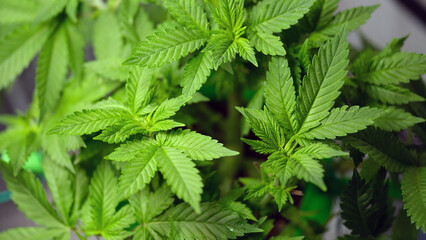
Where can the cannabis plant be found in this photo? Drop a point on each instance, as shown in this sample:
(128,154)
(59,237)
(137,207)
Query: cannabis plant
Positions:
(131,95)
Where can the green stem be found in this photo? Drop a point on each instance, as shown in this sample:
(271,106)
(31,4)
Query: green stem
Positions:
(229,166)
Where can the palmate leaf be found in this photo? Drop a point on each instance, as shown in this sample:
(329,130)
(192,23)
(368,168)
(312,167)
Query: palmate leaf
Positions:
(20,147)
(120,131)
(107,38)
(181,175)
(324,12)
(265,127)
(228,14)
(128,150)
(80,185)
(75,49)
(52,70)
(195,145)
(109,68)
(147,204)
(20,12)
(214,222)
(18,48)
(137,87)
(414,195)
(196,72)
(382,147)
(38,233)
(322,84)
(308,169)
(245,50)
(138,172)
(320,151)
(168,108)
(396,119)
(188,13)
(223,46)
(102,203)
(60,185)
(267,43)
(103,197)
(164,125)
(396,68)
(280,95)
(87,121)
(343,121)
(49,10)
(28,194)
(270,16)
(166,46)
(240,208)
(392,94)
(280,165)
(353,18)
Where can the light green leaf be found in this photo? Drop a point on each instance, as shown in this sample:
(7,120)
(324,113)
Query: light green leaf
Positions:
(49,10)
(353,18)
(213,222)
(80,189)
(396,119)
(38,233)
(121,220)
(109,68)
(280,95)
(196,72)
(166,46)
(414,195)
(128,150)
(107,38)
(147,205)
(75,49)
(59,181)
(240,208)
(322,84)
(19,150)
(272,16)
(18,12)
(120,131)
(394,69)
(189,13)
(87,121)
(343,121)
(195,145)
(280,195)
(267,43)
(52,71)
(18,48)
(325,14)
(137,87)
(164,125)
(265,127)
(71,9)
(28,194)
(223,47)
(103,197)
(168,108)
(320,151)
(138,172)
(392,94)
(245,50)
(256,102)
(181,175)
(308,169)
